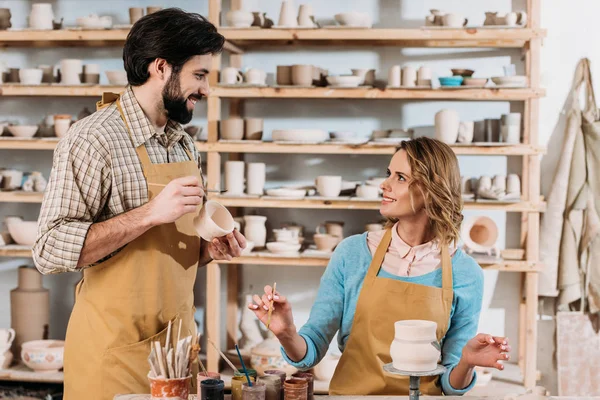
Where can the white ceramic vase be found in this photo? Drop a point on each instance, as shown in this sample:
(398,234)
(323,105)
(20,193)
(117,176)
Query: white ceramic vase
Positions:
(287,16)
(234,177)
(256,178)
(447,122)
(255,229)
(41,16)
(415,346)
(70,71)
(409,77)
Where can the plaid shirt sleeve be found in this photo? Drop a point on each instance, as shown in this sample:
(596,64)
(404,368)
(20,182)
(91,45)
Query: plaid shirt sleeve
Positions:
(78,189)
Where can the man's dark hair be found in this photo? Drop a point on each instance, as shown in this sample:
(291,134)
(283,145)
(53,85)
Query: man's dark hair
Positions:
(171,34)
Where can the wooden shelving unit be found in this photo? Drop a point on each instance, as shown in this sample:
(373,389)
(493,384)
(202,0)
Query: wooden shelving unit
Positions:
(239,40)
(21,373)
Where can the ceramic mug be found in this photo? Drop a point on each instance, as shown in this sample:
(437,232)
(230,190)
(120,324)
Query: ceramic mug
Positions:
(70,70)
(284,74)
(325,241)
(394,76)
(409,76)
(135,14)
(7,336)
(513,184)
(367,192)
(305,15)
(256,178)
(253,129)
(231,76)
(213,221)
(424,76)
(466,130)
(302,75)
(234,177)
(447,122)
(329,186)
(232,129)
(255,76)
(62,123)
(333,228)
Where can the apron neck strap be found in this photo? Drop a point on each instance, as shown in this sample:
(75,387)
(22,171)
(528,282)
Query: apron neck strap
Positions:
(141,149)
(446,267)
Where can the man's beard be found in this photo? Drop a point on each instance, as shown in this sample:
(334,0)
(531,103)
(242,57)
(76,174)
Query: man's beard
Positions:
(174,103)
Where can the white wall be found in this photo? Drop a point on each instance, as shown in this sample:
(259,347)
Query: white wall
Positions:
(571,28)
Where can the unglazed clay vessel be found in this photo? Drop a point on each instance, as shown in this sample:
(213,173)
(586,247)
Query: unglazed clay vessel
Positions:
(409,76)
(239,18)
(302,75)
(465,131)
(447,122)
(513,185)
(480,235)
(415,347)
(230,76)
(41,16)
(234,177)
(325,241)
(7,336)
(329,186)
(253,129)
(214,221)
(255,76)
(5,16)
(367,192)
(255,229)
(256,178)
(232,129)
(287,16)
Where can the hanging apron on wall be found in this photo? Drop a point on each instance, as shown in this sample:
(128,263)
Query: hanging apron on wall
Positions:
(380,304)
(125,303)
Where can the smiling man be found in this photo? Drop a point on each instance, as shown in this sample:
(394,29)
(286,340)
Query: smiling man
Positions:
(125,186)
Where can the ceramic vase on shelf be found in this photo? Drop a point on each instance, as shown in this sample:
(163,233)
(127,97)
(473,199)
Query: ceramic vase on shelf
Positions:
(447,122)
(255,229)
(41,16)
(29,308)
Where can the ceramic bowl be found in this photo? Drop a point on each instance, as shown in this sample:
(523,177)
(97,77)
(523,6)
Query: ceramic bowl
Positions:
(213,221)
(283,248)
(353,18)
(300,135)
(23,131)
(291,193)
(451,80)
(43,355)
(249,247)
(23,232)
(344,80)
(516,80)
(31,76)
(325,241)
(117,78)
(462,72)
(475,81)
(325,369)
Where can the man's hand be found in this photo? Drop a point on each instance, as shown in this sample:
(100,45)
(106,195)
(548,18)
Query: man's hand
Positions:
(227,247)
(181,196)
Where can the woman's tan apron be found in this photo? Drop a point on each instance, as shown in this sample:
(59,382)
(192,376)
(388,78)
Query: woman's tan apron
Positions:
(381,303)
(126,302)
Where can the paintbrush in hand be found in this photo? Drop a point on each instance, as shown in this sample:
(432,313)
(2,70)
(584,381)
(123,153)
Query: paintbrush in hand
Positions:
(271,305)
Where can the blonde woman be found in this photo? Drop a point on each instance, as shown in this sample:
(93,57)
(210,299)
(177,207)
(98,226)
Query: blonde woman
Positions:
(410,270)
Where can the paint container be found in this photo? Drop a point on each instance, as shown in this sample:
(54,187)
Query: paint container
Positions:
(161,388)
(281,374)
(251,372)
(236,386)
(273,383)
(211,389)
(296,389)
(310,378)
(201,378)
(255,392)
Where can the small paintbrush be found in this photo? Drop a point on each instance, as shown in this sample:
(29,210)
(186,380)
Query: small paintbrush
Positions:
(271,305)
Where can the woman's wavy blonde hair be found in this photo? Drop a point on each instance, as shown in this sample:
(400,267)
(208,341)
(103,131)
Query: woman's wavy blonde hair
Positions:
(435,173)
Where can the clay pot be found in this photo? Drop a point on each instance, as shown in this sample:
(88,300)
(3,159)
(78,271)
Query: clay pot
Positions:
(62,123)
(306,16)
(234,177)
(5,16)
(213,221)
(256,178)
(308,377)
(424,76)
(409,76)
(13,75)
(415,346)
(447,122)
(466,131)
(454,21)
(513,184)
(41,16)
(29,309)
(47,73)
(287,15)
(232,129)
(302,75)
(239,18)
(177,388)
(284,75)
(325,241)
(255,229)
(492,130)
(253,129)
(499,182)
(135,13)
(70,70)
(395,76)
(296,389)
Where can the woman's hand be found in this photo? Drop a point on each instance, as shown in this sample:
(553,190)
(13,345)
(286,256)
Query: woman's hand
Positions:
(282,321)
(486,351)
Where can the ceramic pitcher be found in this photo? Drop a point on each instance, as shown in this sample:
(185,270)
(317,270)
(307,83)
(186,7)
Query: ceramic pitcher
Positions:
(41,16)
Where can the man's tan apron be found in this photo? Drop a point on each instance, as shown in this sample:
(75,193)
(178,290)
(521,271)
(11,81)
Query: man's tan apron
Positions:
(381,303)
(126,302)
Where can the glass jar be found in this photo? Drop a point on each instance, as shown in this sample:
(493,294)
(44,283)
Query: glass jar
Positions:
(296,389)
(273,383)
(310,379)
(255,392)
(236,386)
(211,389)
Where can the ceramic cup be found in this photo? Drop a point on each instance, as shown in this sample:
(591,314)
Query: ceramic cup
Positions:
(305,15)
(213,221)
(135,13)
(394,76)
(329,186)
(492,130)
(231,76)
(367,192)
(409,76)
(62,123)
(234,177)
(232,129)
(511,134)
(152,9)
(284,74)
(465,131)
(253,129)
(513,184)
(424,76)
(453,20)
(48,73)
(485,183)
(511,19)
(447,122)
(7,336)
(255,76)
(511,119)
(70,71)
(499,182)
(367,75)
(11,179)
(479,131)
(30,76)
(325,241)
(256,178)
(286,235)
(302,75)
(93,79)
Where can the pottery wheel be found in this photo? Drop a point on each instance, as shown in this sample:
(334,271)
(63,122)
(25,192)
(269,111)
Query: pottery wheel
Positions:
(415,377)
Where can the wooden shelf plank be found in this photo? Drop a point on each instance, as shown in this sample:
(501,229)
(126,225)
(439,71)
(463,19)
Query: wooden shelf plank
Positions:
(488,94)
(276,148)
(420,37)
(21,373)
(21,197)
(491,94)
(15,251)
(361,205)
(28,144)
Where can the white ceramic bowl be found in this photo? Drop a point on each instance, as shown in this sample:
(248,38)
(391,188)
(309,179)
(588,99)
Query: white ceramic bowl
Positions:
(282,192)
(300,135)
(23,131)
(30,76)
(43,355)
(23,232)
(344,80)
(517,80)
(249,247)
(353,18)
(283,248)
(118,78)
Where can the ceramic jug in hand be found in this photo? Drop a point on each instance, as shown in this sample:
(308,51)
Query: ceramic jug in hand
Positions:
(282,321)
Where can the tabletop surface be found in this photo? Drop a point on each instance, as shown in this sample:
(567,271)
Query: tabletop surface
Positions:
(194,397)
